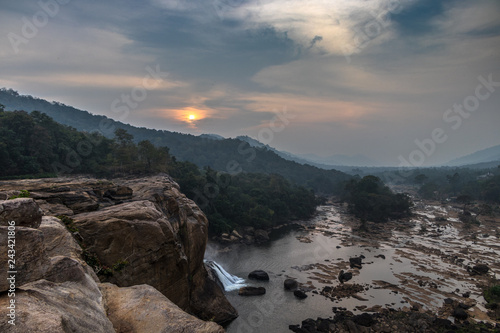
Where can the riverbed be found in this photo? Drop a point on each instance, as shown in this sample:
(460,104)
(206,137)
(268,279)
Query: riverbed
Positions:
(413,264)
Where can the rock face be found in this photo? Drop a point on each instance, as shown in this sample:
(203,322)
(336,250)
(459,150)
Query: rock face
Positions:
(258,275)
(31,261)
(143,309)
(135,231)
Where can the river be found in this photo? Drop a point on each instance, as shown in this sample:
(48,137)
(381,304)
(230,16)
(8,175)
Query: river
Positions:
(314,258)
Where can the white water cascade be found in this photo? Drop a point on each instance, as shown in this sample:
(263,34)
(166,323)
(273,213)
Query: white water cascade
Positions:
(229,281)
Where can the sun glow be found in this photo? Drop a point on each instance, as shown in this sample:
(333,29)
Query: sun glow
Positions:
(192,117)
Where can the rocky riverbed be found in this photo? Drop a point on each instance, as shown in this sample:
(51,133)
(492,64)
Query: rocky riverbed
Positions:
(426,270)
(435,266)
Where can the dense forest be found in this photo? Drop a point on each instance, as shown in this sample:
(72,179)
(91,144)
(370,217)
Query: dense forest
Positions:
(444,183)
(34,145)
(371,200)
(225,155)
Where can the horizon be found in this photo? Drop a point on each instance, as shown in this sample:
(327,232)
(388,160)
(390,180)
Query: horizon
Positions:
(401,83)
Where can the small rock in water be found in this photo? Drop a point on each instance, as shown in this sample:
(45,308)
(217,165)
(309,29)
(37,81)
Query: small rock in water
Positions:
(355,262)
(251,291)
(258,275)
(480,269)
(290,284)
(300,294)
(380,256)
(344,276)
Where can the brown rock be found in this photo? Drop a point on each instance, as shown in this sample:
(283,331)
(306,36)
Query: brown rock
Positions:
(31,261)
(251,291)
(47,307)
(208,301)
(58,240)
(24,211)
(143,309)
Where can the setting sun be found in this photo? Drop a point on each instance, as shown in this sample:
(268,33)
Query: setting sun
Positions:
(191,117)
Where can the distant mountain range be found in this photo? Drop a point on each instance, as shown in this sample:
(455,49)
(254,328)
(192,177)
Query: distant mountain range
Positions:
(486,156)
(208,150)
(328,162)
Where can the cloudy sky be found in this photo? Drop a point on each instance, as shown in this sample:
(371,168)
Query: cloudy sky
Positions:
(412,80)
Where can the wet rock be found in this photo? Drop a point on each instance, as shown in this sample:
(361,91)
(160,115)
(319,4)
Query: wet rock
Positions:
(344,276)
(364,319)
(380,256)
(448,301)
(258,275)
(355,262)
(338,247)
(460,313)
(480,269)
(235,233)
(290,284)
(261,236)
(25,212)
(251,291)
(300,294)
(444,323)
(466,294)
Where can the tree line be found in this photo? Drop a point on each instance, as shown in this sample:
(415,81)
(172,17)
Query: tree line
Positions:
(33,145)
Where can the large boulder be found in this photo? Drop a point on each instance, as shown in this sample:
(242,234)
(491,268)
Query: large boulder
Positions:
(69,300)
(135,231)
(143,309)
(31,260)
(162,237)
(23,211)
(58,240)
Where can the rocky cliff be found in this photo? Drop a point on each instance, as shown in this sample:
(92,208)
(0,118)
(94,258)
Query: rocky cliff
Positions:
(141,236)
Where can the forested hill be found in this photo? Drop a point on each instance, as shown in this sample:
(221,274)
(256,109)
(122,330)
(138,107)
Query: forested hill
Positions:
(228,155)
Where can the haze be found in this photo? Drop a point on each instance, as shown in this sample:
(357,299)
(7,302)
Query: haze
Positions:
(350,77)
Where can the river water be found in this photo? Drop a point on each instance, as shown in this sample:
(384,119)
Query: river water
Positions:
(316,262)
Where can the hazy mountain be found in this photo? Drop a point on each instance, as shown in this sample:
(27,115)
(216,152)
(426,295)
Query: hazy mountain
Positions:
(329,162)
(228,155)
(212,136)
(339,159)
(491,154)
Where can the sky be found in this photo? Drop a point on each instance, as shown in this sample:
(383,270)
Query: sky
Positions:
(401,82)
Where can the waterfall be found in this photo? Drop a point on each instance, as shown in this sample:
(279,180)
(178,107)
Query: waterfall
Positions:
(229,281)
